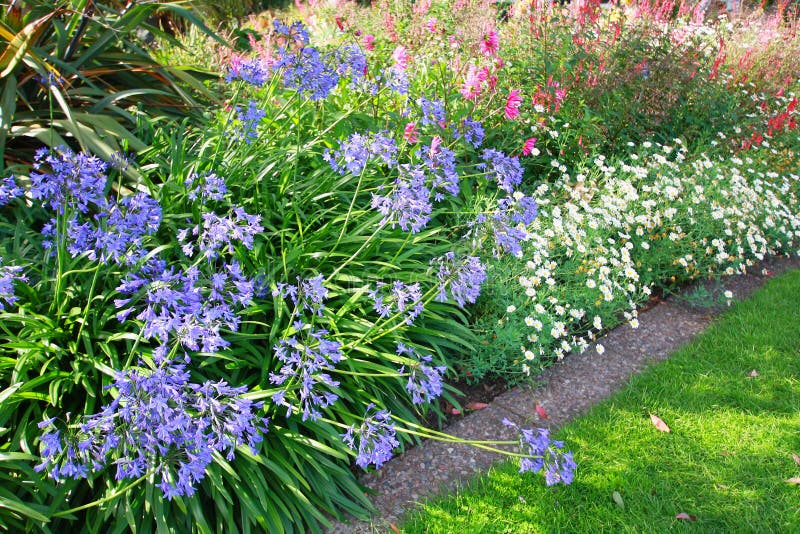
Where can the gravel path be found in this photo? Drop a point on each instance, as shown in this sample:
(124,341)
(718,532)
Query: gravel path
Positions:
(565,390)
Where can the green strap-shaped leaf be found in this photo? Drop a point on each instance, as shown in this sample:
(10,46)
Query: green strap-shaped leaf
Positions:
(19,44)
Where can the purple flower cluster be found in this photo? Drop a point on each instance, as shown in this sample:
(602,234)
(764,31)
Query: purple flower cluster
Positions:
(519,208)
(374,440)
(8,275)
(208,187)
(505,169)
(74,182)
(463,277)
(307,295)
(506,227)
(433,111)
(409,202)
(440,164)
(396,80)
(220,234)
(116,234)
(351,61)
(121,160)
(544,454)
(308,72)
(160,422)
(307,358)
(253,71)
(248,121)
(424,380)
(9,190)
(400,298)
(185,304)
(358,149)
(297,32)
(473,132)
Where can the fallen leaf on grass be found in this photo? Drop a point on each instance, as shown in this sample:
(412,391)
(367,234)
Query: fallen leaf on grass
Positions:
(796,458)
(618,499)
(795,480)
(394,528)
(753,373)
(476,406)
(685,517)
(658,423)
(541,411)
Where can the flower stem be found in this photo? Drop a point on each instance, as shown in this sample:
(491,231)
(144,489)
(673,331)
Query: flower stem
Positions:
(98,502)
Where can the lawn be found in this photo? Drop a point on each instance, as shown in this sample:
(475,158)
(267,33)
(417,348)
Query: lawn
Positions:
(725,462)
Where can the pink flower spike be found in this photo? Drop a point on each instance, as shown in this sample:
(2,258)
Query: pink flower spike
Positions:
(410,133)
(527,148)
(369,42)
(490,43)
(430,25)
(513,102)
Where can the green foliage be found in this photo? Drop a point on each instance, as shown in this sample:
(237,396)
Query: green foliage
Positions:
(77,73)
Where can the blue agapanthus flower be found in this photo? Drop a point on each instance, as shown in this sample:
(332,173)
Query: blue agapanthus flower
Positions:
(159,422)
(374,439)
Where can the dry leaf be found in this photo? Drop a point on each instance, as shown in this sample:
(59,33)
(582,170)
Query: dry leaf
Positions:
(796,458)
(541,411)
(685,517)
(753,373)
(795,480)
(394,528)
(618,499)
(659,424)
(476,406)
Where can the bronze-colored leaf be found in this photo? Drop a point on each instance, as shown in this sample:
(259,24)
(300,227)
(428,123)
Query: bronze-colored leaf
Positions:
(541,411)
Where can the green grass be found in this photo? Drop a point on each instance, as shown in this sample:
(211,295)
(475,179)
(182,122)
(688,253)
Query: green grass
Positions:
(725,461)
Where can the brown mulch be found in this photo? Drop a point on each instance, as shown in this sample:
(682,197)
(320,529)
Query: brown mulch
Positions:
(565,391)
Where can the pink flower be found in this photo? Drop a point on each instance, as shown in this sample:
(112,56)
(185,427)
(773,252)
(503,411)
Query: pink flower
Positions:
(431,24)
(435,142)
(410,133)
(400,58)
(420,8)
(471,89)
(369,42)
(513,102)
(527,148)
(490,43)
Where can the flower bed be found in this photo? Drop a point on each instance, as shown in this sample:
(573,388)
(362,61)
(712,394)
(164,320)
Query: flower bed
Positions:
(209,335)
